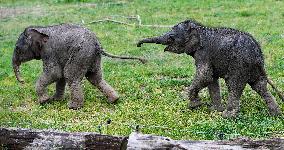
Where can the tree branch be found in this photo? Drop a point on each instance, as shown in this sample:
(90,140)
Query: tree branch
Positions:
(137,18)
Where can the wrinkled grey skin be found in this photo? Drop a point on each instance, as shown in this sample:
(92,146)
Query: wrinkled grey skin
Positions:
(69,53)
(219,53)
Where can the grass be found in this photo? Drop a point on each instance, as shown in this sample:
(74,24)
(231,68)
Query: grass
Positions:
(151,94)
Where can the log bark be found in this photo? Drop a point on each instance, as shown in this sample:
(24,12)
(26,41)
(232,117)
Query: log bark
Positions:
(139,141)
(15,138)
(11,138)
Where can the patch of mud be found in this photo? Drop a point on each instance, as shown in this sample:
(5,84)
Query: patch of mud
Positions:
(9,12)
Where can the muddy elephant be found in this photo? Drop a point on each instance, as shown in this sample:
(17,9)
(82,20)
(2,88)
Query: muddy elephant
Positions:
(220,53)
(69,53)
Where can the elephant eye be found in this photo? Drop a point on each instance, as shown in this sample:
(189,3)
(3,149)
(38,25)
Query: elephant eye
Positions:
(171,38)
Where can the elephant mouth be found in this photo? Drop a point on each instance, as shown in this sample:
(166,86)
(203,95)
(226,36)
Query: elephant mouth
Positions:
(172,49)
(37,57)
(169,48)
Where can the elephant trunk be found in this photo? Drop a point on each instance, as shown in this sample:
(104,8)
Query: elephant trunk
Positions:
(158,40)
(16,66)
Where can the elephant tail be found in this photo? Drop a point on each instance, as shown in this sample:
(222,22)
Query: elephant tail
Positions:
(123,57)
(275,88)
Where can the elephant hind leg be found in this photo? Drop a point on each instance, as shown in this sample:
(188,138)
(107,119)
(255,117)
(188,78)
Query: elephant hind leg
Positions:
(260,86)
(77,96)
(96,79)
(74,73)
(235,89)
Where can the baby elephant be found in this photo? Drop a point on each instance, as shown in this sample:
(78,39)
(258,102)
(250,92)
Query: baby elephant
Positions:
(220,53)
(69,52)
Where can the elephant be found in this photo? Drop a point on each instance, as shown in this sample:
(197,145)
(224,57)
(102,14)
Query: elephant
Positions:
(69,53)
(220,52)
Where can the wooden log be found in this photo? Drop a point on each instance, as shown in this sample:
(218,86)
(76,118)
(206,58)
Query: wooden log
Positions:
(138,141)
(12,138)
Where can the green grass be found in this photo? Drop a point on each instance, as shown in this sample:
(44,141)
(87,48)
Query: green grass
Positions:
(151,94)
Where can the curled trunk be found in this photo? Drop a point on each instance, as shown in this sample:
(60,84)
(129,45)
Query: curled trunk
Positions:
(16,67)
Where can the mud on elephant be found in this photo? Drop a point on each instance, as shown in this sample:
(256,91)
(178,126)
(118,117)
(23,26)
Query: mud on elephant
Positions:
(69,53)
(220,53)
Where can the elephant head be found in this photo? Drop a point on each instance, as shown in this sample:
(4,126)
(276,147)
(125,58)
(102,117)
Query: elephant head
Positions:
(28,47)
(183,38)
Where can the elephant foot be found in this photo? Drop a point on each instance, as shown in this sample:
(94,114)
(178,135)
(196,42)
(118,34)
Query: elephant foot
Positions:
(57,97)
(108,91)
(43,99)
(112,96)
(75,105)
(113,99)
(194,104)
(219,108)
(230,114)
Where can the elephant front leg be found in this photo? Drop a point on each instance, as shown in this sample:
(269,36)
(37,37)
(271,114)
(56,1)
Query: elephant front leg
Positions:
(215,94)
(60,88)
(41,88)
(77,97)
(201,80)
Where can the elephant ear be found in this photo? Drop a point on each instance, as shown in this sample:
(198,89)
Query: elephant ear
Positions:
(38,38)
(193,42)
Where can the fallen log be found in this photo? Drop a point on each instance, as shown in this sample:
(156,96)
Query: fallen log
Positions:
(15,138)
(142,141)
(12,138)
